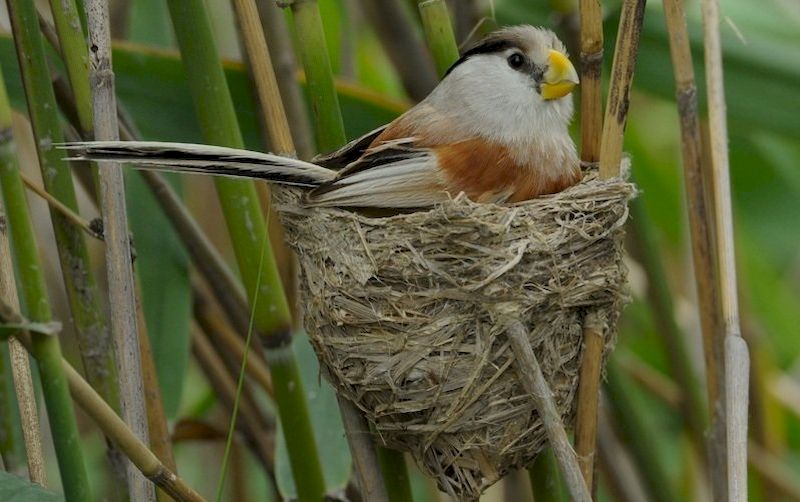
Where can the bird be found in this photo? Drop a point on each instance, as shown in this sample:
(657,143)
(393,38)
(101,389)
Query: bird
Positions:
(494,128)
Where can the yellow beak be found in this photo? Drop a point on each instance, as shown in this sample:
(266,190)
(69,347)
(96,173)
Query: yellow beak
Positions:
(560,77)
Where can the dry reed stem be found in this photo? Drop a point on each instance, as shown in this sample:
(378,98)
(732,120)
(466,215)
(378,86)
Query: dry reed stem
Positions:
(362,448)
(122,302)
(732,426)
(20,367)
(700,219)
(591,16)
(625,52)
(284,64)
(588,397)
(536,385)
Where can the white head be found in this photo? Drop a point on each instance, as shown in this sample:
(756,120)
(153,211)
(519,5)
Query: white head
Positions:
(511,86)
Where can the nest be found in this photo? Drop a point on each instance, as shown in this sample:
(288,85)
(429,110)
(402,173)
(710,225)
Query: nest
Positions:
(408,313)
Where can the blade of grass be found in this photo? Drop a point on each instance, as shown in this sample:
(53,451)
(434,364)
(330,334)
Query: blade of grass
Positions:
(439,34)
(18,357)
(272,320)
(47,350)
(122,302)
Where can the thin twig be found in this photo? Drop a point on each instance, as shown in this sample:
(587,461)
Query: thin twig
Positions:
(20,367)
(542,397)
(625,52)
(122,302)
(65,211)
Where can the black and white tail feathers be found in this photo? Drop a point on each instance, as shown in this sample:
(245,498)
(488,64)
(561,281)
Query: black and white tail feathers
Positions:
(203,159)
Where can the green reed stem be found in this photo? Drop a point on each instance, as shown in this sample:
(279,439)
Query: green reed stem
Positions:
(46,349)
(395,474)
(328,123)
(214,108)
(545,478)
(97,349)
(439,34)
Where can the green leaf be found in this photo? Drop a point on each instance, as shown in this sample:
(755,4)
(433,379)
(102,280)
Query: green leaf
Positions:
(328,430)
(16,489)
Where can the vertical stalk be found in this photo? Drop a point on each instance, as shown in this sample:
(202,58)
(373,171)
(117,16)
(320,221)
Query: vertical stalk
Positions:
(395,474)
(122,301)
(589,396)
(88,317)
(18,357)
(439,34)
(545,480)
(730,419)
(591,13)
(45,348)
(625,52)
(329,127)
(247,230)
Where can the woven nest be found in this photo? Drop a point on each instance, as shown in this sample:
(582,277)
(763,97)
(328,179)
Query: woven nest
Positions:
(407,316)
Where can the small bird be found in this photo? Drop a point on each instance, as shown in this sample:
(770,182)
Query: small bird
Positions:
(494,128)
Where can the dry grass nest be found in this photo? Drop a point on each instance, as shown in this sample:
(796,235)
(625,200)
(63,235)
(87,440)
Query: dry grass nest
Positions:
(408,313)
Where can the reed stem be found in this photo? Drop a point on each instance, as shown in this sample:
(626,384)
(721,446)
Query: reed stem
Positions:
(247,230)
(591,13)
(18,357)
(395,474)
(72,250)
(730,421)
(544,477)
(439,34)
(625,52)
(328,124)
(122,301)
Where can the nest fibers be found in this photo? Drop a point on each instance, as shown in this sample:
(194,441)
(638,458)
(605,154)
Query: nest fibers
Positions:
(408,313)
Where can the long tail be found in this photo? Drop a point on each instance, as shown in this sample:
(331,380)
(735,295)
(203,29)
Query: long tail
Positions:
(202,159)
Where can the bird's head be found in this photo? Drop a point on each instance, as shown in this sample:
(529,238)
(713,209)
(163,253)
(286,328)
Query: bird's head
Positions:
(516,74)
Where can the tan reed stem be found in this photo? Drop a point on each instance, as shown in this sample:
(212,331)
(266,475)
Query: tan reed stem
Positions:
(122,302)
(588,397)
(57,205)
(733,415)
(627,47)
(591,13)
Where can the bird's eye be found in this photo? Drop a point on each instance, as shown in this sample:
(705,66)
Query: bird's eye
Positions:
(516,60)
